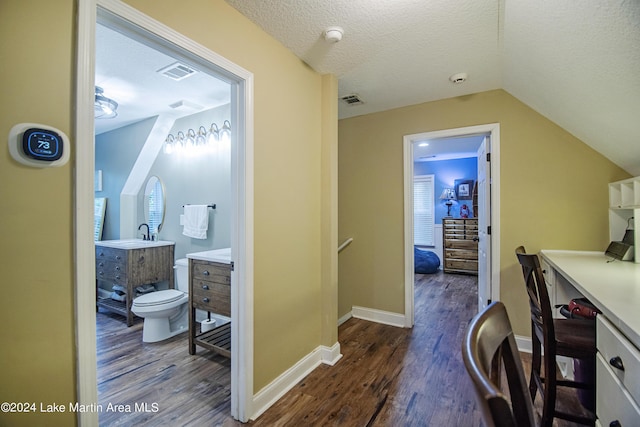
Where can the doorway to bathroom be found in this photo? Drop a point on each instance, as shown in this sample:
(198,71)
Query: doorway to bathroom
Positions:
(236,109)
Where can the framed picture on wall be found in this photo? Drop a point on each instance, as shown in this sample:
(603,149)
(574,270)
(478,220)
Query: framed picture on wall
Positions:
(464,188)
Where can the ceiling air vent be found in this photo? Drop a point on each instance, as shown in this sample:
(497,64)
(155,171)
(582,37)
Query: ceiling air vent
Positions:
(177,71)
(352,99)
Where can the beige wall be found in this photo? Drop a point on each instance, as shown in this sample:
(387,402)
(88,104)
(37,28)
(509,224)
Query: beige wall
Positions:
(36,307)
(292,134)
(553,194)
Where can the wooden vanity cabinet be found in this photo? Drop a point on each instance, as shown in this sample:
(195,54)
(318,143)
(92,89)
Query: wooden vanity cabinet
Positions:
(130,268)
(460,241)
(210,290)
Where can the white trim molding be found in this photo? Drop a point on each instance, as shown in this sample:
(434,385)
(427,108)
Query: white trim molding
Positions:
(492,129)
(277,388)
(118,13)
(344,318)
(379,316)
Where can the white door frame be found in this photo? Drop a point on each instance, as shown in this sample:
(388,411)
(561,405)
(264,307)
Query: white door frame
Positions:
(494,130)
(242,200)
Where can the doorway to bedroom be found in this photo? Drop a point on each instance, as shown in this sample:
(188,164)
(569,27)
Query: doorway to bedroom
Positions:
(450,177)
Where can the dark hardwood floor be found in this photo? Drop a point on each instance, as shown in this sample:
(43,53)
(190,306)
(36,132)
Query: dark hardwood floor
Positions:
(178,389)
(388,376)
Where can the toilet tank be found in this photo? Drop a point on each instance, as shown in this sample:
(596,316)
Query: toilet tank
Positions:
(182,274)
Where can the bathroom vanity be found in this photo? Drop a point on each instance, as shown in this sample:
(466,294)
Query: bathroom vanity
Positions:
(132,263)
(210,290)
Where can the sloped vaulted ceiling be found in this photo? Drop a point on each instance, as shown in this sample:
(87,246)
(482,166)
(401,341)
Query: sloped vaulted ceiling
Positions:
(575,62)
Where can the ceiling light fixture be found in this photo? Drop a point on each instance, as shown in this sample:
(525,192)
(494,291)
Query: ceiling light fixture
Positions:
(333,34)
(103,107)
(458,78)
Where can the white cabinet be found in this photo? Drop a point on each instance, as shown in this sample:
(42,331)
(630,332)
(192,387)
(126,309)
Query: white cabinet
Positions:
(624,210)
(613,288)
(618,376)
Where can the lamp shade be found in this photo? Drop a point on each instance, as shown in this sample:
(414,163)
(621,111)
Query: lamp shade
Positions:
(448,194)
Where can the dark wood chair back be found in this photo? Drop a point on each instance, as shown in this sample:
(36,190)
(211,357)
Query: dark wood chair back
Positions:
(488,346)
(539,302)
(571,338)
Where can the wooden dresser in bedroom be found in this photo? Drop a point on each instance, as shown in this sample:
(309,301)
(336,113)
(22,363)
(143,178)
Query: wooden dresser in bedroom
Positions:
(460,241)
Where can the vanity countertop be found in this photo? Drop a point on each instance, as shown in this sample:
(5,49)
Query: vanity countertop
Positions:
(133,243)
(222,256)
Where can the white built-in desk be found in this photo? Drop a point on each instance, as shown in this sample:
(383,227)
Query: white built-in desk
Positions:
(614,287)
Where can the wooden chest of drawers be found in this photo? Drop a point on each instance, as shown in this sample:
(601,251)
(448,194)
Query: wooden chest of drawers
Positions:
(210,290)
(460,241)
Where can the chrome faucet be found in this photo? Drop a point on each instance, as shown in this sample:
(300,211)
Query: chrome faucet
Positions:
(145,236)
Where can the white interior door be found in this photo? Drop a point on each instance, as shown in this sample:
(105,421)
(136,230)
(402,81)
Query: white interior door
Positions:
(484,220)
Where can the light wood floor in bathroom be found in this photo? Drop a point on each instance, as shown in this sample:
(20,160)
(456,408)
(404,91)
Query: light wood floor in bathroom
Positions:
(388,376)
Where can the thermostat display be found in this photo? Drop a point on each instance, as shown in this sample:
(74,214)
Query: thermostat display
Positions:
(38,145)
(42,144)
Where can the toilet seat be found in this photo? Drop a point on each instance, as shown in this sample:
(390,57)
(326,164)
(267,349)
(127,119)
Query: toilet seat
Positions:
(158,298)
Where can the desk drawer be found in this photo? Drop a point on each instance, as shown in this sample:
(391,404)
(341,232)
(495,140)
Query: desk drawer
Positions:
(613,402)
(612,344)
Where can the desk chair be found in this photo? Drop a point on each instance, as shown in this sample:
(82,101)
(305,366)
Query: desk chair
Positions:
(489,344)
(572,338)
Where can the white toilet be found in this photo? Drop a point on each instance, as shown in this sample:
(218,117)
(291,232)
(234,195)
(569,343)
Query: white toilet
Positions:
(165,313)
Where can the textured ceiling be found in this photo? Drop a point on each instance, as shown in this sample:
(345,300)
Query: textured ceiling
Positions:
(575,62)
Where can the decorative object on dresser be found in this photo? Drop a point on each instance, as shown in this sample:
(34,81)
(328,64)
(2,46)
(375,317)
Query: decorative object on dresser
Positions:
(464,188)
(460,241)
(210,291)
(128,264)
(450,196)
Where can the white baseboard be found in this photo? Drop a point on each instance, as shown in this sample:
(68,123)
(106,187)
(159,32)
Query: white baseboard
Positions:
(565,364)
(379,316)
(524,344)
(344,318)
(292,376)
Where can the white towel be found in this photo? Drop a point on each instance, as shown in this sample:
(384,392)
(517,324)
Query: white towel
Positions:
(196,221)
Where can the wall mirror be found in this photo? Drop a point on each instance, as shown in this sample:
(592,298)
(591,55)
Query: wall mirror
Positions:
(154,204)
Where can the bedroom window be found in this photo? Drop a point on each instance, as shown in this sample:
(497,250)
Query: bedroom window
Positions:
(423,210)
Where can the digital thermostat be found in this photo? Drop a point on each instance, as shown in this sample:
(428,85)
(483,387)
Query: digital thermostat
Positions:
(38,145)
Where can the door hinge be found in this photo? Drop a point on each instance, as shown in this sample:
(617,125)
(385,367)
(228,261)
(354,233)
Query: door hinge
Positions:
(232,266)
(489,301)
(488,157)
(489,229)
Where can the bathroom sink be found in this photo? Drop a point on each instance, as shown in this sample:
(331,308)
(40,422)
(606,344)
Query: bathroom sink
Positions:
(133,243)
(222,256)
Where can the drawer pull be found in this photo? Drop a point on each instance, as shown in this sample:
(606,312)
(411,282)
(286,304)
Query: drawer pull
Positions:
(117,268)
(205,287)
(616,362)
(615,423)
(101,264)
(118,257)
(205,300)
(205,273)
